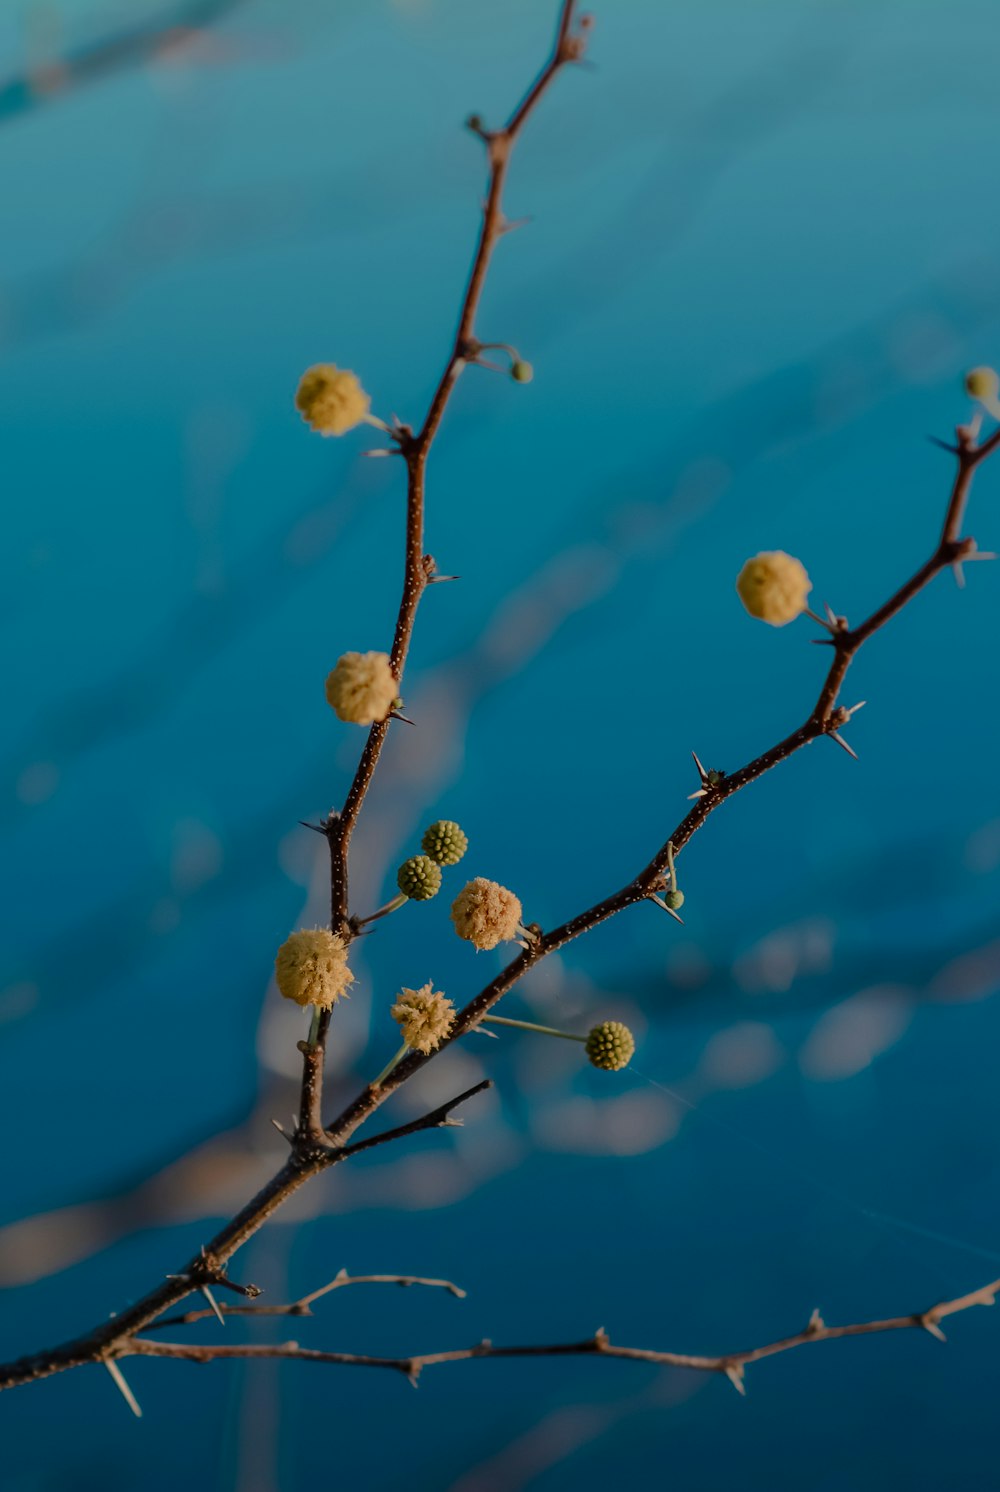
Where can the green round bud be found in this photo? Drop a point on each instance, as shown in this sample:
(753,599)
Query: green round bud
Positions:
(419,878)
(445,842)
(674,900)
(521,372)
(982,383)
(610,1046)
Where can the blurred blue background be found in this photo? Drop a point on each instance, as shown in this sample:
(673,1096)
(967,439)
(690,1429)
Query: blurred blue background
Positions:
(763,248)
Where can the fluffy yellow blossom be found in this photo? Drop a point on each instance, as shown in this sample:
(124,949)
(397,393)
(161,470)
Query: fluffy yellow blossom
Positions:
(331,399)
(486,914)
(424,1016)
(311,968)
(983,385)
(773,587)
(362,687)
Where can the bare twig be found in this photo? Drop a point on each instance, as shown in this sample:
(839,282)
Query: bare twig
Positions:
(303,1306)
(732,1364)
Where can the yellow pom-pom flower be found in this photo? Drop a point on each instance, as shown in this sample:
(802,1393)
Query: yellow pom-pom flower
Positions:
(773,587)
(424,1016)
(331,399)
(362,688)
(311,968)
(983,385)
(486,914)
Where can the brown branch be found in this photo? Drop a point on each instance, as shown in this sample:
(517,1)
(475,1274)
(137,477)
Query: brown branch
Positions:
(303,1306)
(826,718)
(419,567)
(314,1149)
(732,1364)
(207,1266)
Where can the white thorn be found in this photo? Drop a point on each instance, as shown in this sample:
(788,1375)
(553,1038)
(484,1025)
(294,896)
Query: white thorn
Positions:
(669,910)
(214,1304)
(123,1388)
(841,742)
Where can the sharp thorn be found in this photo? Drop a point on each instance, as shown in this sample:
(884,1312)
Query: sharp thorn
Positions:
(122,1386)
(735,1376)
(214,1304)
(944,445)
(669,910)
(701,770)
(834,736)
(934,1330)
(440,579)
(959,574)
(395,715)
(316,828)
(701,793)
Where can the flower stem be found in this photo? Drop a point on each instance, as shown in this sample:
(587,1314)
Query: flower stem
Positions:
(377,1083)
(390,906)
(503,1020)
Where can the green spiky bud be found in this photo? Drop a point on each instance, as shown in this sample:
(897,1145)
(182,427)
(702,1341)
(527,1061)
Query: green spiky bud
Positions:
(610,1046)
(674,900)
(521,372)
(419,878)
(445,842)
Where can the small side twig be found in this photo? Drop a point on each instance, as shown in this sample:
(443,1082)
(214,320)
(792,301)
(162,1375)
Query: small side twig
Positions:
(303,1306)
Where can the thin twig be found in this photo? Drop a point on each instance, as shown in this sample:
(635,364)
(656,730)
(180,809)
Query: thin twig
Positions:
(303,1306)
(732,1364)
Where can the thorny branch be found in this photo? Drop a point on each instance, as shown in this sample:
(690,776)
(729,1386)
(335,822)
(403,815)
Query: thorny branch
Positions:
(732,1364)
(315,1147)
(303,1306)
(419,569)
